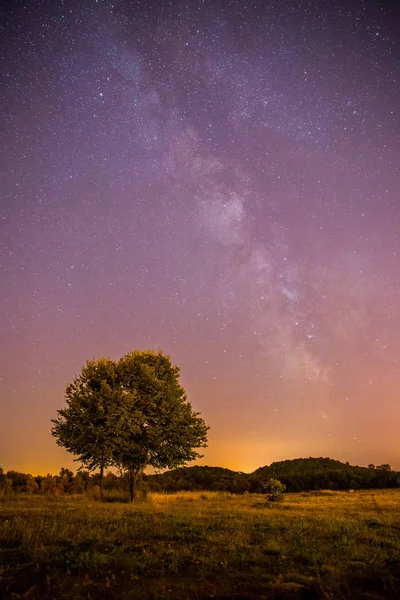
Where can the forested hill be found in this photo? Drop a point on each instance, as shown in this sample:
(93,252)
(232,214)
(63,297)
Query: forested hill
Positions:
(300,474)
(198,478)
(325,473)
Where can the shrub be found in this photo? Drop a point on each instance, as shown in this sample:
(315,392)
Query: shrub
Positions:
(274,490)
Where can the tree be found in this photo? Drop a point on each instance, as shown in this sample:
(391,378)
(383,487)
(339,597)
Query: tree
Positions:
(85,427)
(65,481)
(31,485)
(49,485)
(130,414)
(18,481)
(157,425)
(2,479)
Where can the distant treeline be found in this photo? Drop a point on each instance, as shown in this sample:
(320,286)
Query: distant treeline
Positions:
(299,475)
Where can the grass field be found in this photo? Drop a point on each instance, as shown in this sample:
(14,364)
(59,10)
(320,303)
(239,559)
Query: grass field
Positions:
(202,545)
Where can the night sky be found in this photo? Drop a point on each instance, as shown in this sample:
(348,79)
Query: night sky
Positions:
(218,179)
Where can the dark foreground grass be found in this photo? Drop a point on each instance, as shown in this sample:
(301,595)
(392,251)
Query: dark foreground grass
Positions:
(199,546)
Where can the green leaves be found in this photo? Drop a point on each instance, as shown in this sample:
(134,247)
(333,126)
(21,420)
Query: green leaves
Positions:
(274,489)
(130,414)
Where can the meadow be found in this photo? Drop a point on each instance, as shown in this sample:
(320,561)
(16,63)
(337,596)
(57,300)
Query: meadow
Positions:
(194,545)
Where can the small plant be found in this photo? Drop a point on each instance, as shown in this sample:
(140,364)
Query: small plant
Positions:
(274,490)
(373,523)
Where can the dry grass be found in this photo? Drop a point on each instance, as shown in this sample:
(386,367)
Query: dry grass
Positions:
(202,545)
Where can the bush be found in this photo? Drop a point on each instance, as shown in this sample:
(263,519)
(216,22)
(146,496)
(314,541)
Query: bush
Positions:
(274,490)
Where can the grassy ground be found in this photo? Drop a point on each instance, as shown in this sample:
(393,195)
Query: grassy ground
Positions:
(202,545)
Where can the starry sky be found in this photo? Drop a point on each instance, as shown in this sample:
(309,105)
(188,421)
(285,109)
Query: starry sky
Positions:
(218,179)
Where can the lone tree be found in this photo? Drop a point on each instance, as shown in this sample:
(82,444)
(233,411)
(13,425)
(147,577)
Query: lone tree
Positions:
(130,414)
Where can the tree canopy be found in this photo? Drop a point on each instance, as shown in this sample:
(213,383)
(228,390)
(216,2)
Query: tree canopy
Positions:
(131,413)
(84,427)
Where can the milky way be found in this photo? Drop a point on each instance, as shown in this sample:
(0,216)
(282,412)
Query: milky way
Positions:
(218,179)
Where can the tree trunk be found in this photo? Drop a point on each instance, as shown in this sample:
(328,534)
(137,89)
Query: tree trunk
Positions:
(133,479)
(101,481)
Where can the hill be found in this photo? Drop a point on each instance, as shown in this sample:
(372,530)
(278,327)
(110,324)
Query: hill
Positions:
(303,474)
(198,478)
(300,474)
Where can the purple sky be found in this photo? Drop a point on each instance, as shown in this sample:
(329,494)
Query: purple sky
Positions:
(219,179)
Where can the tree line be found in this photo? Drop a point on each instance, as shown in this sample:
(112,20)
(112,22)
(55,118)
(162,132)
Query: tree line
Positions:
(298,475)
